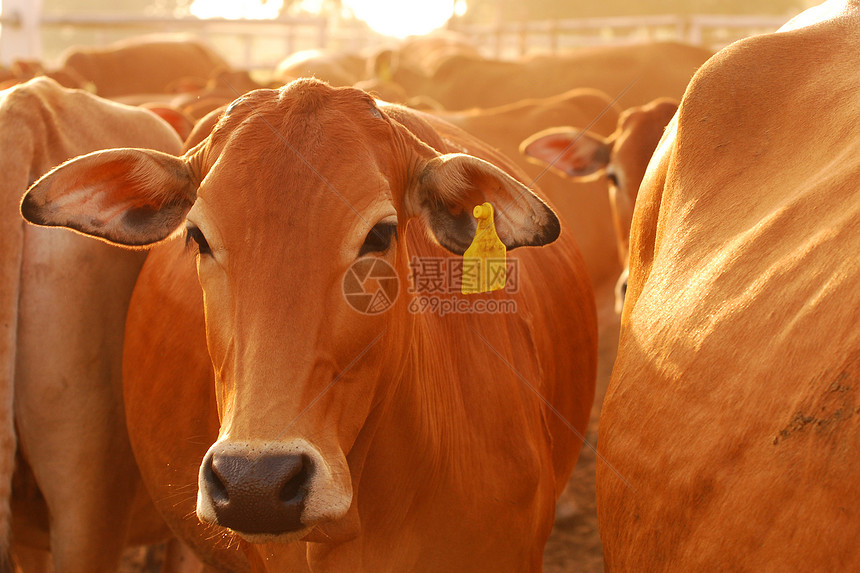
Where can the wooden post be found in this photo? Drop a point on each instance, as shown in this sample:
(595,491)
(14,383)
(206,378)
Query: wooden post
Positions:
(21,34)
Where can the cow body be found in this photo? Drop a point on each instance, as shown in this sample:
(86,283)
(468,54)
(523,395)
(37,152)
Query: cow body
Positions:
(143,66)
(390,442)
(732,420)
(636,74)
(64,300)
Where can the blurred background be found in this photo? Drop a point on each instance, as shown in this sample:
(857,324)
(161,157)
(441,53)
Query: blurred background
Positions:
(258,33)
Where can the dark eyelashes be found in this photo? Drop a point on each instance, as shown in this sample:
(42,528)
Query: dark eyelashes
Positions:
(379,238)
(192,233)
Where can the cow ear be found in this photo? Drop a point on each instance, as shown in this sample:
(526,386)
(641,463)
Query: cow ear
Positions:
(576,153)
(180,121)
(127,197)
(450,186)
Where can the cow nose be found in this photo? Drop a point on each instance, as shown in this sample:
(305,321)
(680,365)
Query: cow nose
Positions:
(257,495)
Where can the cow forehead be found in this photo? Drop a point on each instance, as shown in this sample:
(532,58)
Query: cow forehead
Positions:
(296,111)
(308,164)
(306,137)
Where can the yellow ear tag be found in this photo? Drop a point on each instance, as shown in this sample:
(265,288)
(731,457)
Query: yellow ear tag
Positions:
(484,260)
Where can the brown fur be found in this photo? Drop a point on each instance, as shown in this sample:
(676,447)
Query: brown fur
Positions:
(733,412)
(621,159)
(142,65)
(584,210)
(63,300)
(436,424)
(646,72)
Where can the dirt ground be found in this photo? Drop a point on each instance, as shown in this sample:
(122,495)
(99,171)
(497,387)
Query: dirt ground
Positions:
(574,546)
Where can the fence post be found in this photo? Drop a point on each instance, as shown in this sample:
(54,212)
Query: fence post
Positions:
(20,36)
(695,34)
(523,38)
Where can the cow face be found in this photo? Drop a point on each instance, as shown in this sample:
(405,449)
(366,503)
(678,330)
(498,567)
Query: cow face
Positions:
(292,190)
(622,159)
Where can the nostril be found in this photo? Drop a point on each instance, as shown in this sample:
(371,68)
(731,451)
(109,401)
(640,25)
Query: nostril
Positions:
(294,487)
(255,494)
(216,488)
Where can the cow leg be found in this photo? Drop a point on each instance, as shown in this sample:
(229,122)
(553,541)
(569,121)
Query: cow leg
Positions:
(68,401)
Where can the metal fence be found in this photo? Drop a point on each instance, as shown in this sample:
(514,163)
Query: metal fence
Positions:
(262,43)
(511,40)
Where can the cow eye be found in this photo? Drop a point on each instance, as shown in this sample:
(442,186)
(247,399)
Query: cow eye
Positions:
(196,235)
(379,238)
(612,178)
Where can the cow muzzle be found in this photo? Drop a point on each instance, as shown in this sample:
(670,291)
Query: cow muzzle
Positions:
(270,492)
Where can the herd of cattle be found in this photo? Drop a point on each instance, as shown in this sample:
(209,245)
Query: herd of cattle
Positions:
(260,423)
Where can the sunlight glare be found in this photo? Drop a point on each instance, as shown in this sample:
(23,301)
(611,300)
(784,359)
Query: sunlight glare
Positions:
(389,17)
(400,19)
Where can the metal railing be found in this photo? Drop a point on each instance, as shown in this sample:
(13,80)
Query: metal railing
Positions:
(262,43)
(515,39)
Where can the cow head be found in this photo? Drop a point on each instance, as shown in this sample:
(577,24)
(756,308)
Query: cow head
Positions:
(622,158)
(289,191)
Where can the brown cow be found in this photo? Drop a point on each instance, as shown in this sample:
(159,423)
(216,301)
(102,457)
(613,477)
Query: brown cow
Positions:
(63,301)
(181,122)
(142,65)
(338,69)
(622,158)
(636,73)
(203,128)
(396,441)
(424,53)
(731,427)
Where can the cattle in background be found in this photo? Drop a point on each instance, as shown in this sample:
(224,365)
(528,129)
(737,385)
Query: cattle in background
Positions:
(143,65)
(25,70)
(636,74)
(424,54)
(730,431)
(63,301)
(395,441)
(338,69)
(584,208)
(203,128)
(181,122)
(621,159)
(223,87)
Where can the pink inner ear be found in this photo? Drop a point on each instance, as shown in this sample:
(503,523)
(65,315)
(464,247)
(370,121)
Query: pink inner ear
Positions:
(573,159)
(130,197)
(557,150)
(577,153)
(548,147)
